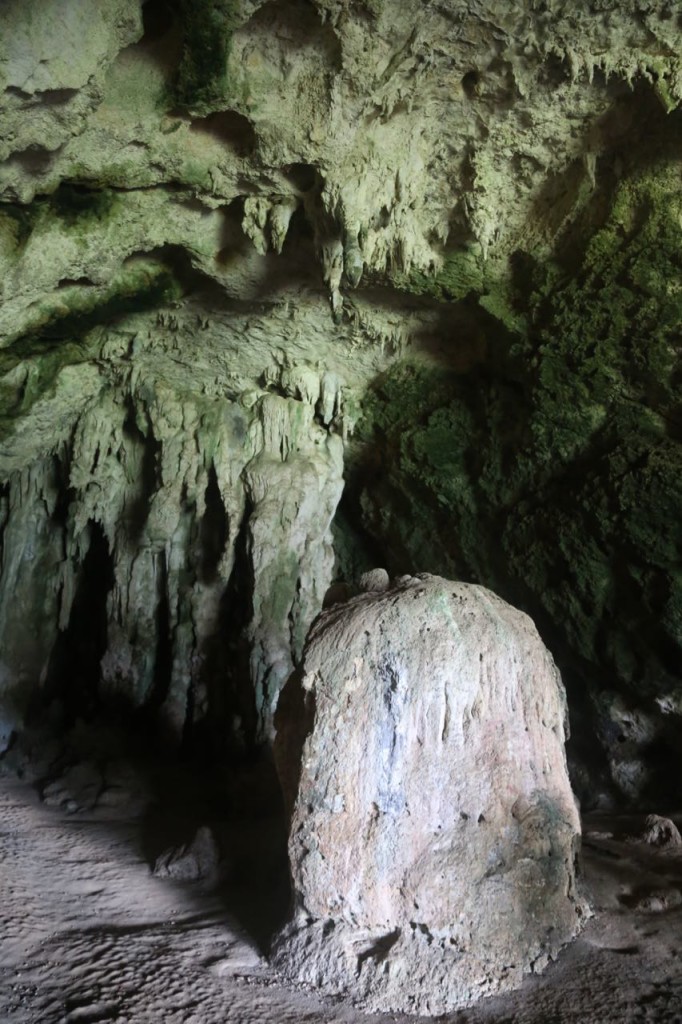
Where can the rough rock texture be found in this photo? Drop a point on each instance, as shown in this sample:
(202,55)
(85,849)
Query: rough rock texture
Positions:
(195,860)
(550,467)
(457,224)
(120,547)
(434,832)
(661,832)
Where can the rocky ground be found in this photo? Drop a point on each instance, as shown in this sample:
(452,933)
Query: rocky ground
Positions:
(89,932)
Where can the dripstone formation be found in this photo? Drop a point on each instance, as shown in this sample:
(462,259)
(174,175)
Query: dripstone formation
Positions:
(290,289)
(433,829)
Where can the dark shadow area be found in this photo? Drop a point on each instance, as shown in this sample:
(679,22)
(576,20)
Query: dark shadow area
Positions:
(633,135)
(233,241)
(45,97)
(148,454)
(471,83)
(356,550)
(178,263)
(240,806)
(230,128)
(230,724)
(163,660)
(158,18)
(299,248)
(294,720)
(119,777)
(304,177)
(56,97)
(74,668)
(161,41)
(73,202)
(213,530)
(70,282)
(34,161)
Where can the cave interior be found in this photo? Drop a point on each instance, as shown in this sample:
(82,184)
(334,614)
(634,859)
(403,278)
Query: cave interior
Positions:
(292,290)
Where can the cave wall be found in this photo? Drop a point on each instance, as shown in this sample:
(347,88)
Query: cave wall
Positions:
(550,467)
(253,250)
(185,494)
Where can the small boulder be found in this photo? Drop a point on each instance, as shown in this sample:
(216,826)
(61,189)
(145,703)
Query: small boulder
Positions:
(375,581)
(190,862)
(661,832)
(76,789)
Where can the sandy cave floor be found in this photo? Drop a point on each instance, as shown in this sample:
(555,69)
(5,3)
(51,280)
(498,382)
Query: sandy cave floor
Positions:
(88,933)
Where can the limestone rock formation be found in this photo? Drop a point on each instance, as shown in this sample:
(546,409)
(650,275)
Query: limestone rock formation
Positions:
(250,250)
(120,547)
(434,833)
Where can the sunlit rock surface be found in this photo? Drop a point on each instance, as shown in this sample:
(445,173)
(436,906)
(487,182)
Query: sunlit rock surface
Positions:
(434,833)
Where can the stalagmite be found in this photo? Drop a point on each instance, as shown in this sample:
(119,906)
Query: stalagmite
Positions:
(433,833)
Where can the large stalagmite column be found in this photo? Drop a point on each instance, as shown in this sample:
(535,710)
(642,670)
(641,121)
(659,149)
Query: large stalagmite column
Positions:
(434,831)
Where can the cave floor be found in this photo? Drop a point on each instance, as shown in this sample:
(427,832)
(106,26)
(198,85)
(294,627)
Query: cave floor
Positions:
(88,933)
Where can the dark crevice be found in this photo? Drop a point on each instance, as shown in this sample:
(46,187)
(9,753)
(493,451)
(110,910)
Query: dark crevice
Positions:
(4,516)
(226,673)
(163,659)
(161,42)
(16,93)
(294,720)
(355,549)
(230,128)
(301,232)
(236,614)
(178,264)
(74,668)
(34,160)
(80,197)
(206,30)
(158,19)
(46,97)
(379,949)
(213,530)
(233,240)
(72,202)
(148,453)
(55,97)
(471,83)
(69,282)
(304,177)
(555,70)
